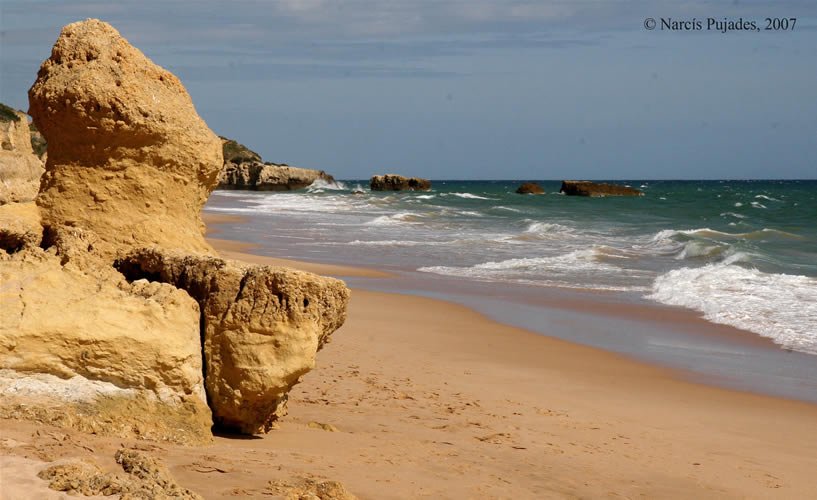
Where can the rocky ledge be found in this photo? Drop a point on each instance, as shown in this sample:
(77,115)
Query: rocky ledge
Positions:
(392,182)
(597,189)
(244,169)
(116,317)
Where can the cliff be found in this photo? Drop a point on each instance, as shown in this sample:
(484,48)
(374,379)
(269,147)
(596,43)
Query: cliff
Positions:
(244,169)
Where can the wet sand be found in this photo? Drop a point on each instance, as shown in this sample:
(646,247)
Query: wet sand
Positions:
(423,397)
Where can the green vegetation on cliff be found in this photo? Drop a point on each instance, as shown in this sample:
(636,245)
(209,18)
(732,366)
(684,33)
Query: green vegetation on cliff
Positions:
(236,152)
(8,114)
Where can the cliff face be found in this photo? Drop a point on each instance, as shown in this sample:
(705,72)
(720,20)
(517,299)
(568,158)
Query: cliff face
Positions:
(244,169)
(20,168)
(97,331)
(265,177)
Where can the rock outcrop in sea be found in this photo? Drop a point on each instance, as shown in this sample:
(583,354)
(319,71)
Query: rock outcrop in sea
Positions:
(244,169)
(597,189)
(115,315)
(20,166)
(530,188)
(392,182)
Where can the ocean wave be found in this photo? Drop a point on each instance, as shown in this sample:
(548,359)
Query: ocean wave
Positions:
(549,230)
(733,214)
(320,185)
(782,307)
(395,219)
(687,234)
(425,196)
(764,197)
(396,243)
(585,259)
(757,204)
(470,196)
(509,209)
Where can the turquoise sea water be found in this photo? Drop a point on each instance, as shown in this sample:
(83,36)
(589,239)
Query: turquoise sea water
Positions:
(742,253)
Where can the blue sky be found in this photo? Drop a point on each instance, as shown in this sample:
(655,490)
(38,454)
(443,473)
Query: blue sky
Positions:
(473,89)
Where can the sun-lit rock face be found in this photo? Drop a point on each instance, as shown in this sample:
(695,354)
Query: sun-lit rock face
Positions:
(128,156)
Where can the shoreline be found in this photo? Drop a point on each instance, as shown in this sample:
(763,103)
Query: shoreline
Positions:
(542,409)
(669,337)
(417,397)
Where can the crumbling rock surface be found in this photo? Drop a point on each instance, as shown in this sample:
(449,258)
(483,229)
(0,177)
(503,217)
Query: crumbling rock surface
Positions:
(144,478)
(308,488)
(597,189)
(392,182)
(64,318)
(128,156)
(262,327)
(19,227)
(20,168)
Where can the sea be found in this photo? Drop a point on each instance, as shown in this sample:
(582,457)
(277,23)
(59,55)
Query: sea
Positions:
(736,252)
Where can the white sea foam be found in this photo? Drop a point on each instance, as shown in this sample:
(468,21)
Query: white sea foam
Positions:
(585,259)
(425,196)
(549,229)
(782,307)
(738,204)
(764,197)
(470,196)
(733,214)
(509,209)
(757,204)
(322,185)
(397,219)
(388,243)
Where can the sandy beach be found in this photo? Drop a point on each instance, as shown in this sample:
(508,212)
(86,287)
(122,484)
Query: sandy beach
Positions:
(417,397)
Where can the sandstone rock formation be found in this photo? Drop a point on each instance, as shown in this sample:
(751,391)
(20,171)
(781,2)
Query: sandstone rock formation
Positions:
(392,182)
(112,347)
(597,189)
(262,328)
(244,169)
(530,188)
(269,177)
(145,477)
(128,157)
(20,168)
(139,354)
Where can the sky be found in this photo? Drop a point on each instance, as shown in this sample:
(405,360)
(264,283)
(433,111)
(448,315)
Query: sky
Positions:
(473,89)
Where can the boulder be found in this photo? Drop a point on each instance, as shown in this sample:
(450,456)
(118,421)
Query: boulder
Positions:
(530,188)
(259,176)
(86,349)
(20,168)
(392,182)
(128,156)
(262,327)
(597,189)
